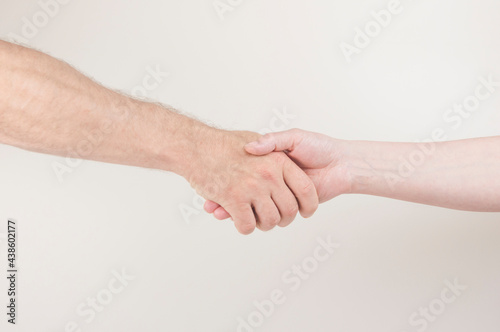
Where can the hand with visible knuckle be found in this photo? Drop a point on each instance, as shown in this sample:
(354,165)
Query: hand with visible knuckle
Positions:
(255,178)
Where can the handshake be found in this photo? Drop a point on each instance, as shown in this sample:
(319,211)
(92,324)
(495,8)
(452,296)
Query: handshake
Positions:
(264,181)
(257,181)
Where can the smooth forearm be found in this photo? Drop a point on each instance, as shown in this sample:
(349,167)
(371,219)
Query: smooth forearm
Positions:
(461,175)
(47,106)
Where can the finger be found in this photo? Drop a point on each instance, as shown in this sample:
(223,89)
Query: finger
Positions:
(267,214)
(243,217)
(210,206)
(220,213)
(302,187)
(287,205)
(282,141)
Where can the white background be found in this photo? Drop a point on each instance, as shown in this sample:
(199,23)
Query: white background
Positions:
(198,274)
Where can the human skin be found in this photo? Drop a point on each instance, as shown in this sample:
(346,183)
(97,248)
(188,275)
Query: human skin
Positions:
(462,175)
(49,107)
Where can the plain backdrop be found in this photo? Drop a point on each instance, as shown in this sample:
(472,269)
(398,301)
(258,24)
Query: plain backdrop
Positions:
(193,273)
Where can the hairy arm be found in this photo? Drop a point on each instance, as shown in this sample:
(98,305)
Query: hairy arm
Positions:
(47,106)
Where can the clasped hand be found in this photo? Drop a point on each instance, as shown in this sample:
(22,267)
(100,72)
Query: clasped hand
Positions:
(264,181)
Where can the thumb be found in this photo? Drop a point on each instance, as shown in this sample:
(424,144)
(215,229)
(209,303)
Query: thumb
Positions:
(282,141)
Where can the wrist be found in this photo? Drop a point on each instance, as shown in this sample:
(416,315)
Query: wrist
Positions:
(166,140)
(359,170)
(373,166)
(212,151)
(195,145)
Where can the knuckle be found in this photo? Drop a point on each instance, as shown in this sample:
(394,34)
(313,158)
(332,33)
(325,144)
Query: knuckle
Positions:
(268,136)
(278,157)
(297,133)
(262,227)
(238,194)
(291,210)
(246,228)
(265,227)
(233,196)
(251,185)
(266,173)
(309,210)
(307,189)
(284,223)
(269,223)
(274,220)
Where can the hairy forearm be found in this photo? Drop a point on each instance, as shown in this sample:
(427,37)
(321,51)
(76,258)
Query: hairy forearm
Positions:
(47,106)
(461,174)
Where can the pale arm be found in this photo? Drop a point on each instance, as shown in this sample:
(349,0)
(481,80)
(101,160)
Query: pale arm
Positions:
(463,175)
